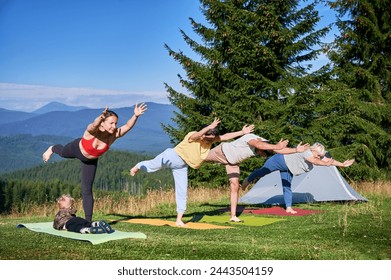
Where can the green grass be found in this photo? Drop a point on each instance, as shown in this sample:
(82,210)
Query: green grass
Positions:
(359,231)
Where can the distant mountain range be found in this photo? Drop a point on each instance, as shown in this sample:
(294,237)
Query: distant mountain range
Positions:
(57,106)
(7,116)
(67,122)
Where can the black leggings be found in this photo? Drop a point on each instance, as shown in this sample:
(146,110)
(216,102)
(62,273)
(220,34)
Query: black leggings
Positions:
(75,224)
(88,171)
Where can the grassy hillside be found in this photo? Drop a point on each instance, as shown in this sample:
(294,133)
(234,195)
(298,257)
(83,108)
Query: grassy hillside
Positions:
(340,232)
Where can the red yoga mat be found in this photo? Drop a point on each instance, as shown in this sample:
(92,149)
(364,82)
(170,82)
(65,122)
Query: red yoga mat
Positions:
(277,211)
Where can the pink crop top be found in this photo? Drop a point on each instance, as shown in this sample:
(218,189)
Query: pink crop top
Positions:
(87,145)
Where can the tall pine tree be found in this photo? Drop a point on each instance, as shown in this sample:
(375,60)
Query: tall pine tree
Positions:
(359,89)
(253,53)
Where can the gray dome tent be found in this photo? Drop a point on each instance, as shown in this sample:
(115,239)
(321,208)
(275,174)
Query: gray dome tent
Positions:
(322,183)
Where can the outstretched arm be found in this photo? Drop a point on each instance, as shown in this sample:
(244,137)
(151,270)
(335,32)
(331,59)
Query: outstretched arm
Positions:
(330,162)
(299,149)
(138,111)
(197,135)
(260,145)
(94,126)
(230,135)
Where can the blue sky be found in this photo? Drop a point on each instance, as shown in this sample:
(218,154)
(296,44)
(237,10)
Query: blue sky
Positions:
(92,52)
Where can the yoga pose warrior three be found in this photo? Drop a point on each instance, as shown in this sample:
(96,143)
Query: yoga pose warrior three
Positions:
(96,140)
(293,165)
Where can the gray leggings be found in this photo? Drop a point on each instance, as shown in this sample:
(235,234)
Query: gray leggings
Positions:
(88,171)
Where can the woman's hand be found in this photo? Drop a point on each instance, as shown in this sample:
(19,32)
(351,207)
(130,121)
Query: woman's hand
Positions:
(248,129)
(302,148)
(347,163)
(140,110)
(214,124)
(282,144)
(104,113)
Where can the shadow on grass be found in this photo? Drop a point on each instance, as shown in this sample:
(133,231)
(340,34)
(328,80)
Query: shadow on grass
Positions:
(219,209)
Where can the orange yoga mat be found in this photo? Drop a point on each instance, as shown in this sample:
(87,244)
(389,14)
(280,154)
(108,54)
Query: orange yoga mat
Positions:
(190,225)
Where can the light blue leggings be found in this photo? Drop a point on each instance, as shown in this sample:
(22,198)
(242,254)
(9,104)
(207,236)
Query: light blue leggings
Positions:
(276,162)
(170,159)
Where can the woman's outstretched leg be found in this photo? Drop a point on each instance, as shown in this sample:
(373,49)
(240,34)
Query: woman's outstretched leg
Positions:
(70,150)
(160,161)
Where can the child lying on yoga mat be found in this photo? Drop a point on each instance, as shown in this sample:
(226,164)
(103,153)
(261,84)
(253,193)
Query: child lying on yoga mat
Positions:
(66,219)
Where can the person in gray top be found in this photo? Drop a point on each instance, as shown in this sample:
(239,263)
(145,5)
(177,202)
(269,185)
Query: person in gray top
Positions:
(293,165)
(231,154)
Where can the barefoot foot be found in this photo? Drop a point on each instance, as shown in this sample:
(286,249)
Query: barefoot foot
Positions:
(134,170)
(180,224)
(290,210)
(46,155)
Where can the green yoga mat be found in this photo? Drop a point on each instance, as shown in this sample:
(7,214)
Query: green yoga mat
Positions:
(247,220)
(93,238)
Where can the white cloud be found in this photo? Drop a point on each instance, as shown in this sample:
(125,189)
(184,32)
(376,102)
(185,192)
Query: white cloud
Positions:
(28,98)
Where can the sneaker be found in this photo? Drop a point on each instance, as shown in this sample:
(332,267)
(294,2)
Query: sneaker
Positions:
(95,224)
(97,230)
(106,227)
(235,220)
(85,230)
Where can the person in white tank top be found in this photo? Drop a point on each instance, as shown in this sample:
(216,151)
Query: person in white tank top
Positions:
(231,154)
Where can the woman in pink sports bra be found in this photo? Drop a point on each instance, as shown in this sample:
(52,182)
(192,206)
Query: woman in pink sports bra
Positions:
(96,140)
